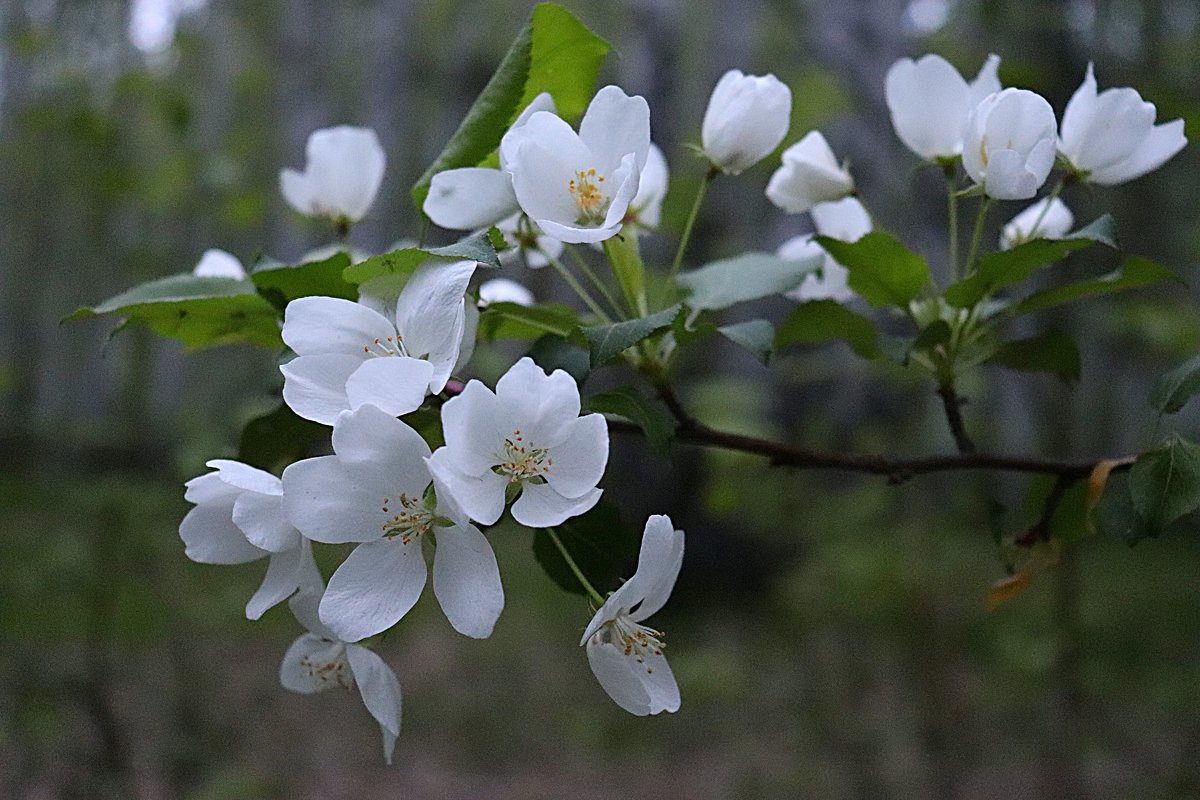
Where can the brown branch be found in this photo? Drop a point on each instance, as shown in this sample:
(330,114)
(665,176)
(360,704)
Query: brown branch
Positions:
(952,404)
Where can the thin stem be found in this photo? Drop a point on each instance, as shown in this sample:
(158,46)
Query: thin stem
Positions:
(952,405)
(977,234)
(712,173)
(577,287)
(952,204)
(1058,187)
(583,581)
(591,275)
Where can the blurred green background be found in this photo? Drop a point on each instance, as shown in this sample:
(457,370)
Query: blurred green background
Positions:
(828,631)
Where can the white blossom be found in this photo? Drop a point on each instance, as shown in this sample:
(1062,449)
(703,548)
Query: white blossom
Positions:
(930,101)
(844,219)
(810,175)
(528,435)
(375,490)
(342,176)
(219,264)
(532,247)
(1052,223)
(626,656)
(1111,138)
(504,290)
(646,208)
(1008,146)
(746,118)
(348,354)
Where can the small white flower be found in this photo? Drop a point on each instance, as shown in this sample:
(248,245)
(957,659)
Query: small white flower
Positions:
(747,117)
(626,656)
(1111,138)
(578,186)
(348,355)
(375,491)
(319,660)
(1008,146)
(503,290)
(471,198)
(846,220)
(219,264)
(239,518)
(810,175)
(527,435)
(930,102)
(344,170)
(1052,223)
(646,208)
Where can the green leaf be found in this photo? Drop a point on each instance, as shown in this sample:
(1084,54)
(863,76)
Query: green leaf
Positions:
(935,334)
(626,262)
(281,283)
(1117,516)
(1133,274)
(553,352)
(1172,390)
(608,341)
(749,276)
(628,402)
(757,336)
(1165,481)
(1054,352)
(882,269)
(1007,267)
(553,53)
(827,320)
(199,312)
(603,548)
(275,440)
(514,321)
(403,262)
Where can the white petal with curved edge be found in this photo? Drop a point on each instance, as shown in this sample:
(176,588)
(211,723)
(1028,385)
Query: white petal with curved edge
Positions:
(209,488)
(481,497)
(504,290)
(652,189)
(380,692)
(345,169)
(659,560)
(543,102)
(295,189)
(846,219)
(210,537)
(316,325)
(306,602)
(659,682)
(1161,144)
(329,503)
(1052,223)
(542,180)
(469,334)
(371,439)
(374,587)
(986,81)
(261,519)
(575,234)
(929,102)
(1007,178)
(746,118)
(626,178)
(394,384)
(539,506)
(618,676)
(545,405)
(285,572)
(466,580)
(580,459)
(429,315)
(470,198)
(245,477)
(313,648)
(315,386)
(216,263)
(474,425)
(615,125)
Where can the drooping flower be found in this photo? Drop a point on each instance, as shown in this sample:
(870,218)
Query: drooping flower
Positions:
(375,490)
(239,518)
(810,175)
(626,656)
(746,119)
(1038,222)
(578,186)
(844,219)
(1008,146)
(342,176)
(504,290)
(528,435)
(1111,138)
(930,102)
(471,198)
(646,208)
(219,264)
(348,354)
(319,660)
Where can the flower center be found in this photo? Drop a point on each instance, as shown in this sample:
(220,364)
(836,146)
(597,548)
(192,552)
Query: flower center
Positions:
(522,461)
(411,518)
(634,640)
(390,346)
(328,668)
(589,199)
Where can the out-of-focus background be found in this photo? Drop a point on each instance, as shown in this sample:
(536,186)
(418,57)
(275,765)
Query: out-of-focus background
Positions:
(828,631)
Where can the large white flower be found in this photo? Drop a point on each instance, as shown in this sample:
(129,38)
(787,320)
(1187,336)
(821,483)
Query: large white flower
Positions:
(319,660)
(844,219)
(746,118)
(810,175)
(1008,146)
(527,435)
(578,186)
(348,354)
(344,170)
(1110,137)
(375,491)
(219,264)
(239,518)
(1038,222)
(626,656)
(470,198)
(930,102)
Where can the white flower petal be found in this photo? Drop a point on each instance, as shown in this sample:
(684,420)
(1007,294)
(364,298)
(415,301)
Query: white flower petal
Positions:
(329,503)
(371,439)
(547,404)
(245,477)
(395,384)
(929,101)
(539,506)
(652,189)
(1052,223)
(619,676)
(261,519)
(470,424)
(470,198)
(296,191)
(219,264)
(481,497)
(315,386)
(210,537)
(344,171)
(374,587)
(210,488)
(580,459)
(746,118)
(429,315)
(615,125)
(379,688)
(504,290)
(1160,145)
(307,647)
(987,81)
(846,219)
(285,573)
(659,560)
(466,580)
(315,325)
